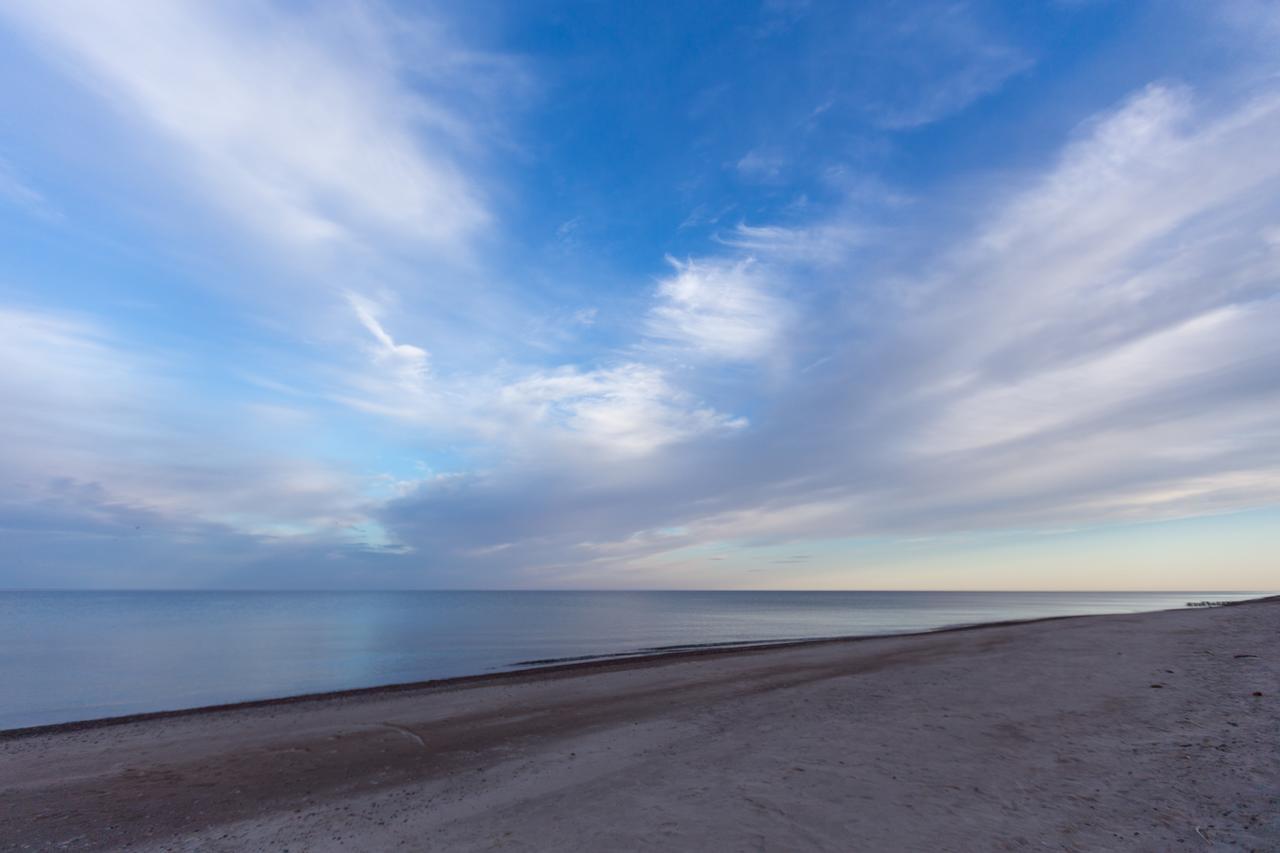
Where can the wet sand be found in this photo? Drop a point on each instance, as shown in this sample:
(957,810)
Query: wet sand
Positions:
(1156,731)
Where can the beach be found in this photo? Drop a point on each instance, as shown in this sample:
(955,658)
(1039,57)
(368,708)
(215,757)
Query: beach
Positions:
(1154,731)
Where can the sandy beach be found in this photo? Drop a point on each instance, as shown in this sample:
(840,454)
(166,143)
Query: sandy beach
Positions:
(1157,731)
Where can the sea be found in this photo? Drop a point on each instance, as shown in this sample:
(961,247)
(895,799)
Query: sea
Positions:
(68,656)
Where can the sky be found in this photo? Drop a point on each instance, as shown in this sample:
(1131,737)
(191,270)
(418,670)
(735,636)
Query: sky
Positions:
(777,294)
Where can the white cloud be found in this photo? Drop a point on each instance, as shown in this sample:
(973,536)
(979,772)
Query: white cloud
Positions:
(411,363)
(1098,346)
(300,127)
(823,244)
(719,309)
(88,417)
(761,167)
(1132,375)
(568,412)
(1104,343)
(630,409)
(1153,217)
(1098,349)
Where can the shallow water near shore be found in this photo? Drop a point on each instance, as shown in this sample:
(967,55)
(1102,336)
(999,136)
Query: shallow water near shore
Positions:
(80,655)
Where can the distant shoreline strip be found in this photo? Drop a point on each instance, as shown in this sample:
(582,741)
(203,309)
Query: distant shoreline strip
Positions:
(557,667)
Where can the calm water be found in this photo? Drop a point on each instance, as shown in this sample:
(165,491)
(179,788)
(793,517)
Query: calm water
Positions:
(78,655)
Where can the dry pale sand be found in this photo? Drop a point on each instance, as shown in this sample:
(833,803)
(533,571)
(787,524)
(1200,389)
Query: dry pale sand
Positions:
(1141,732)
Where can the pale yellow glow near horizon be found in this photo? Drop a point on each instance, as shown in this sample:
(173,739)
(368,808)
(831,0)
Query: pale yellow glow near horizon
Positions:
(1233,553)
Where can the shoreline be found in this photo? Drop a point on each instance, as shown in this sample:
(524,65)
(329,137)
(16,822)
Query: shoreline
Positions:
(1139,731)
(558,666)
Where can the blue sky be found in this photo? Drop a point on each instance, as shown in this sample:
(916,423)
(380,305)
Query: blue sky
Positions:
(579,294)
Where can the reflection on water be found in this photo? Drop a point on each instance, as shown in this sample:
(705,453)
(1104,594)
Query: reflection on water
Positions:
(78,655)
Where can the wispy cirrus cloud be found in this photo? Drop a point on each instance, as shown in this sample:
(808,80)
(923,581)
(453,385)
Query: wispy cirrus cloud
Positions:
(1083,337)
(629,409)
(925,62)
(301,127)
(720,309)
(567,414)
(1097,349)
(820,244)
(95,424)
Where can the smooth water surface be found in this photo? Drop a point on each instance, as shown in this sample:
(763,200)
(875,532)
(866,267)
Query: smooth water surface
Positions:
(80,655)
